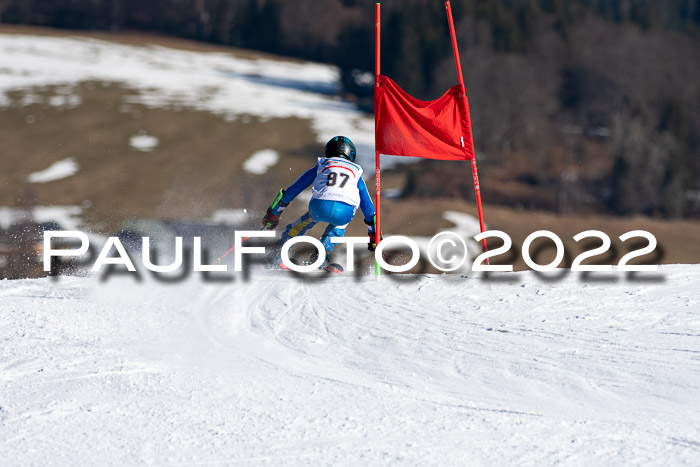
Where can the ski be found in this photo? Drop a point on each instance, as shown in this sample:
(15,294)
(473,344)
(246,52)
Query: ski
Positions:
(333,268)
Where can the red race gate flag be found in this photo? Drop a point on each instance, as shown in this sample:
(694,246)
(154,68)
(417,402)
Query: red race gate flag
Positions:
(406,126)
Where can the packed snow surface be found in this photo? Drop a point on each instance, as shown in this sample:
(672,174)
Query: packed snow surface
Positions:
(444,370)
(56,171)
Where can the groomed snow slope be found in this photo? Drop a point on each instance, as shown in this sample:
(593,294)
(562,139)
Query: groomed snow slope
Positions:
(421,370)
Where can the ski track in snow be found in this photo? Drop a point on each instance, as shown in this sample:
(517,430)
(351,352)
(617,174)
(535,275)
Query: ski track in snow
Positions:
(416,369)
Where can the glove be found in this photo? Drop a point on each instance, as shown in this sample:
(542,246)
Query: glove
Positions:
(272,217)
(373,240)
(270,220)
(371,227)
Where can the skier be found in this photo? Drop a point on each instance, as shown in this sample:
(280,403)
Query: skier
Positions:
(338,190)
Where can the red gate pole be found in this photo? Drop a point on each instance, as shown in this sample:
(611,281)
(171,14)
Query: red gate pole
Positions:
(463,95)
(477,191)
(377,157)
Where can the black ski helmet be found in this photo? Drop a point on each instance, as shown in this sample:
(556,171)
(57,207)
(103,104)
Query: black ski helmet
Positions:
(341,146)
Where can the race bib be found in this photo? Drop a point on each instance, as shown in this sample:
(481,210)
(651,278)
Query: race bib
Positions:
(337,179)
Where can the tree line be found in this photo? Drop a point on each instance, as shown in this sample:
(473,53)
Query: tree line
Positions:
(340,31)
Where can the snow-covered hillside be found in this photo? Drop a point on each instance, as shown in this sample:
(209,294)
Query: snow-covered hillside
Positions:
(414,369)
(236,87)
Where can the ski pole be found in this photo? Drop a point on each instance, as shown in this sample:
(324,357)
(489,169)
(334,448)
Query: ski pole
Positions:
(229,251)
(233,248)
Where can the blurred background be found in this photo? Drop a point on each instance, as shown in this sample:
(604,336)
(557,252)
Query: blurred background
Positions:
(185,117)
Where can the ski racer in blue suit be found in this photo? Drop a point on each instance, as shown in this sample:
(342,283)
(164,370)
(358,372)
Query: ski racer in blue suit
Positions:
(338,190)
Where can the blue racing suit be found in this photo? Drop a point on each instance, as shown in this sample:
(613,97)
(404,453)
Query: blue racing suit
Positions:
(338,190)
